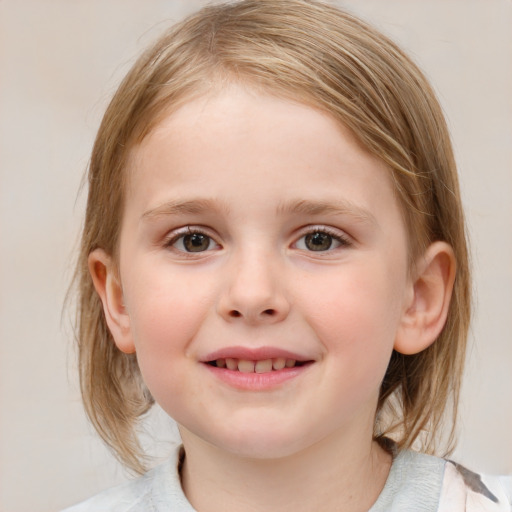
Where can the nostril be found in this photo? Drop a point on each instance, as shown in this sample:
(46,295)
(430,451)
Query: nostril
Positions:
(234,313)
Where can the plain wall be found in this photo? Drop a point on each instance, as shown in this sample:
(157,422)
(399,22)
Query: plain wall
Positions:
(60,61)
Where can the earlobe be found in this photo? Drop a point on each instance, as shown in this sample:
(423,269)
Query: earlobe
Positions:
(428,301)
(108,287)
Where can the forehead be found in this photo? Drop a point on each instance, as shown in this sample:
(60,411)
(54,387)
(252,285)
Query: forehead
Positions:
(228,109)
(239,139)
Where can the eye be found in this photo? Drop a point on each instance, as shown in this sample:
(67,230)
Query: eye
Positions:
(192,241)
(321,240)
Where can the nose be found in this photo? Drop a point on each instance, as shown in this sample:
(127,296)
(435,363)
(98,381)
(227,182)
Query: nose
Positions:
(254,292)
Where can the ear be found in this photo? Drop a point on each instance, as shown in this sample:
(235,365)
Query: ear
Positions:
(428,300)
(108,287)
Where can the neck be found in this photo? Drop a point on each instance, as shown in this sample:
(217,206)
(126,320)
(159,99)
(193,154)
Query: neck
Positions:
(331,475)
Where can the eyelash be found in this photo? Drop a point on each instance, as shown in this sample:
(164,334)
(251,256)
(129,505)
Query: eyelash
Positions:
(335,235)
(188,231)
(342,240)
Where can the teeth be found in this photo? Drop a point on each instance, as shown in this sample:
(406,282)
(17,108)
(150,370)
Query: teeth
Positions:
(279,363)
(232,364)
(245,366)
(263,366)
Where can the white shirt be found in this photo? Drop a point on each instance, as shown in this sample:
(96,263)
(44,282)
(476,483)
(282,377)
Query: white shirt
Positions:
(416,483)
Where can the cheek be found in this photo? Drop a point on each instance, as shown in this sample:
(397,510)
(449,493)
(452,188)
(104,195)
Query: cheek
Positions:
(163,323)
(356,314)
(355,321)
(164,317)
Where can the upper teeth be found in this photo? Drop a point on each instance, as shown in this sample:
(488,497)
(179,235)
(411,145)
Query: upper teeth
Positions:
(263,366)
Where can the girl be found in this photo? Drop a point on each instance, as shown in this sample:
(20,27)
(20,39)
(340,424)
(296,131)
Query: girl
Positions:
(274,252)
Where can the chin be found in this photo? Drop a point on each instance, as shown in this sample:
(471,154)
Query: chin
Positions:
(261,449)
(258,441)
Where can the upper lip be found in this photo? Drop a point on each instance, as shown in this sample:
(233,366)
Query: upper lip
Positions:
(253,354)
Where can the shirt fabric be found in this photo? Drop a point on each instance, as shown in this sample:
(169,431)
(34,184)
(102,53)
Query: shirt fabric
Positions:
(416,482)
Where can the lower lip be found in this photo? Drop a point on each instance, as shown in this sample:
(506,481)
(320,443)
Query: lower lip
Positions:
(257,381)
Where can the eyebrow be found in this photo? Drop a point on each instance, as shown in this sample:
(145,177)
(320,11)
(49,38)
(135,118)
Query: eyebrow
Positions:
(337,207)
(192,207)
(303,207)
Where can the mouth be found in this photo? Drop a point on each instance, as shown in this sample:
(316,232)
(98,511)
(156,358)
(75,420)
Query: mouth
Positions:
(256,366)
(256,369)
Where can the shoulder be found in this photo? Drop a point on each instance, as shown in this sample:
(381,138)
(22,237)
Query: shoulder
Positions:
(426,483)
(156,491)
(414,483)
(128,497)
(468,491)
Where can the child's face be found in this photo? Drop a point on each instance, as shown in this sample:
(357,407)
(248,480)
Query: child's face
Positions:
(257,229)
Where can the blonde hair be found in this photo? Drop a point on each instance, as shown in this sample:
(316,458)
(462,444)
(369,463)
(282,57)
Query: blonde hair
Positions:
(314,53)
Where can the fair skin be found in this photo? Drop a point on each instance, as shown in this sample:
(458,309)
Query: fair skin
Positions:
(258,234)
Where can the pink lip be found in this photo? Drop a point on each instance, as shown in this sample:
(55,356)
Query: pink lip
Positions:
(257,381)
(253,354)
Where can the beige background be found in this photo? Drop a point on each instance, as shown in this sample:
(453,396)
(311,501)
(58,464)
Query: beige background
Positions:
(60,61)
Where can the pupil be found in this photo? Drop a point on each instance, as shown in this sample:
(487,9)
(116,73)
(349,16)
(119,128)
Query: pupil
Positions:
(196,242)
(318,241)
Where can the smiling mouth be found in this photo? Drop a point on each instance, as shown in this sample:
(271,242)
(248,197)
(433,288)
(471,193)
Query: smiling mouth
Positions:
(261,366)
